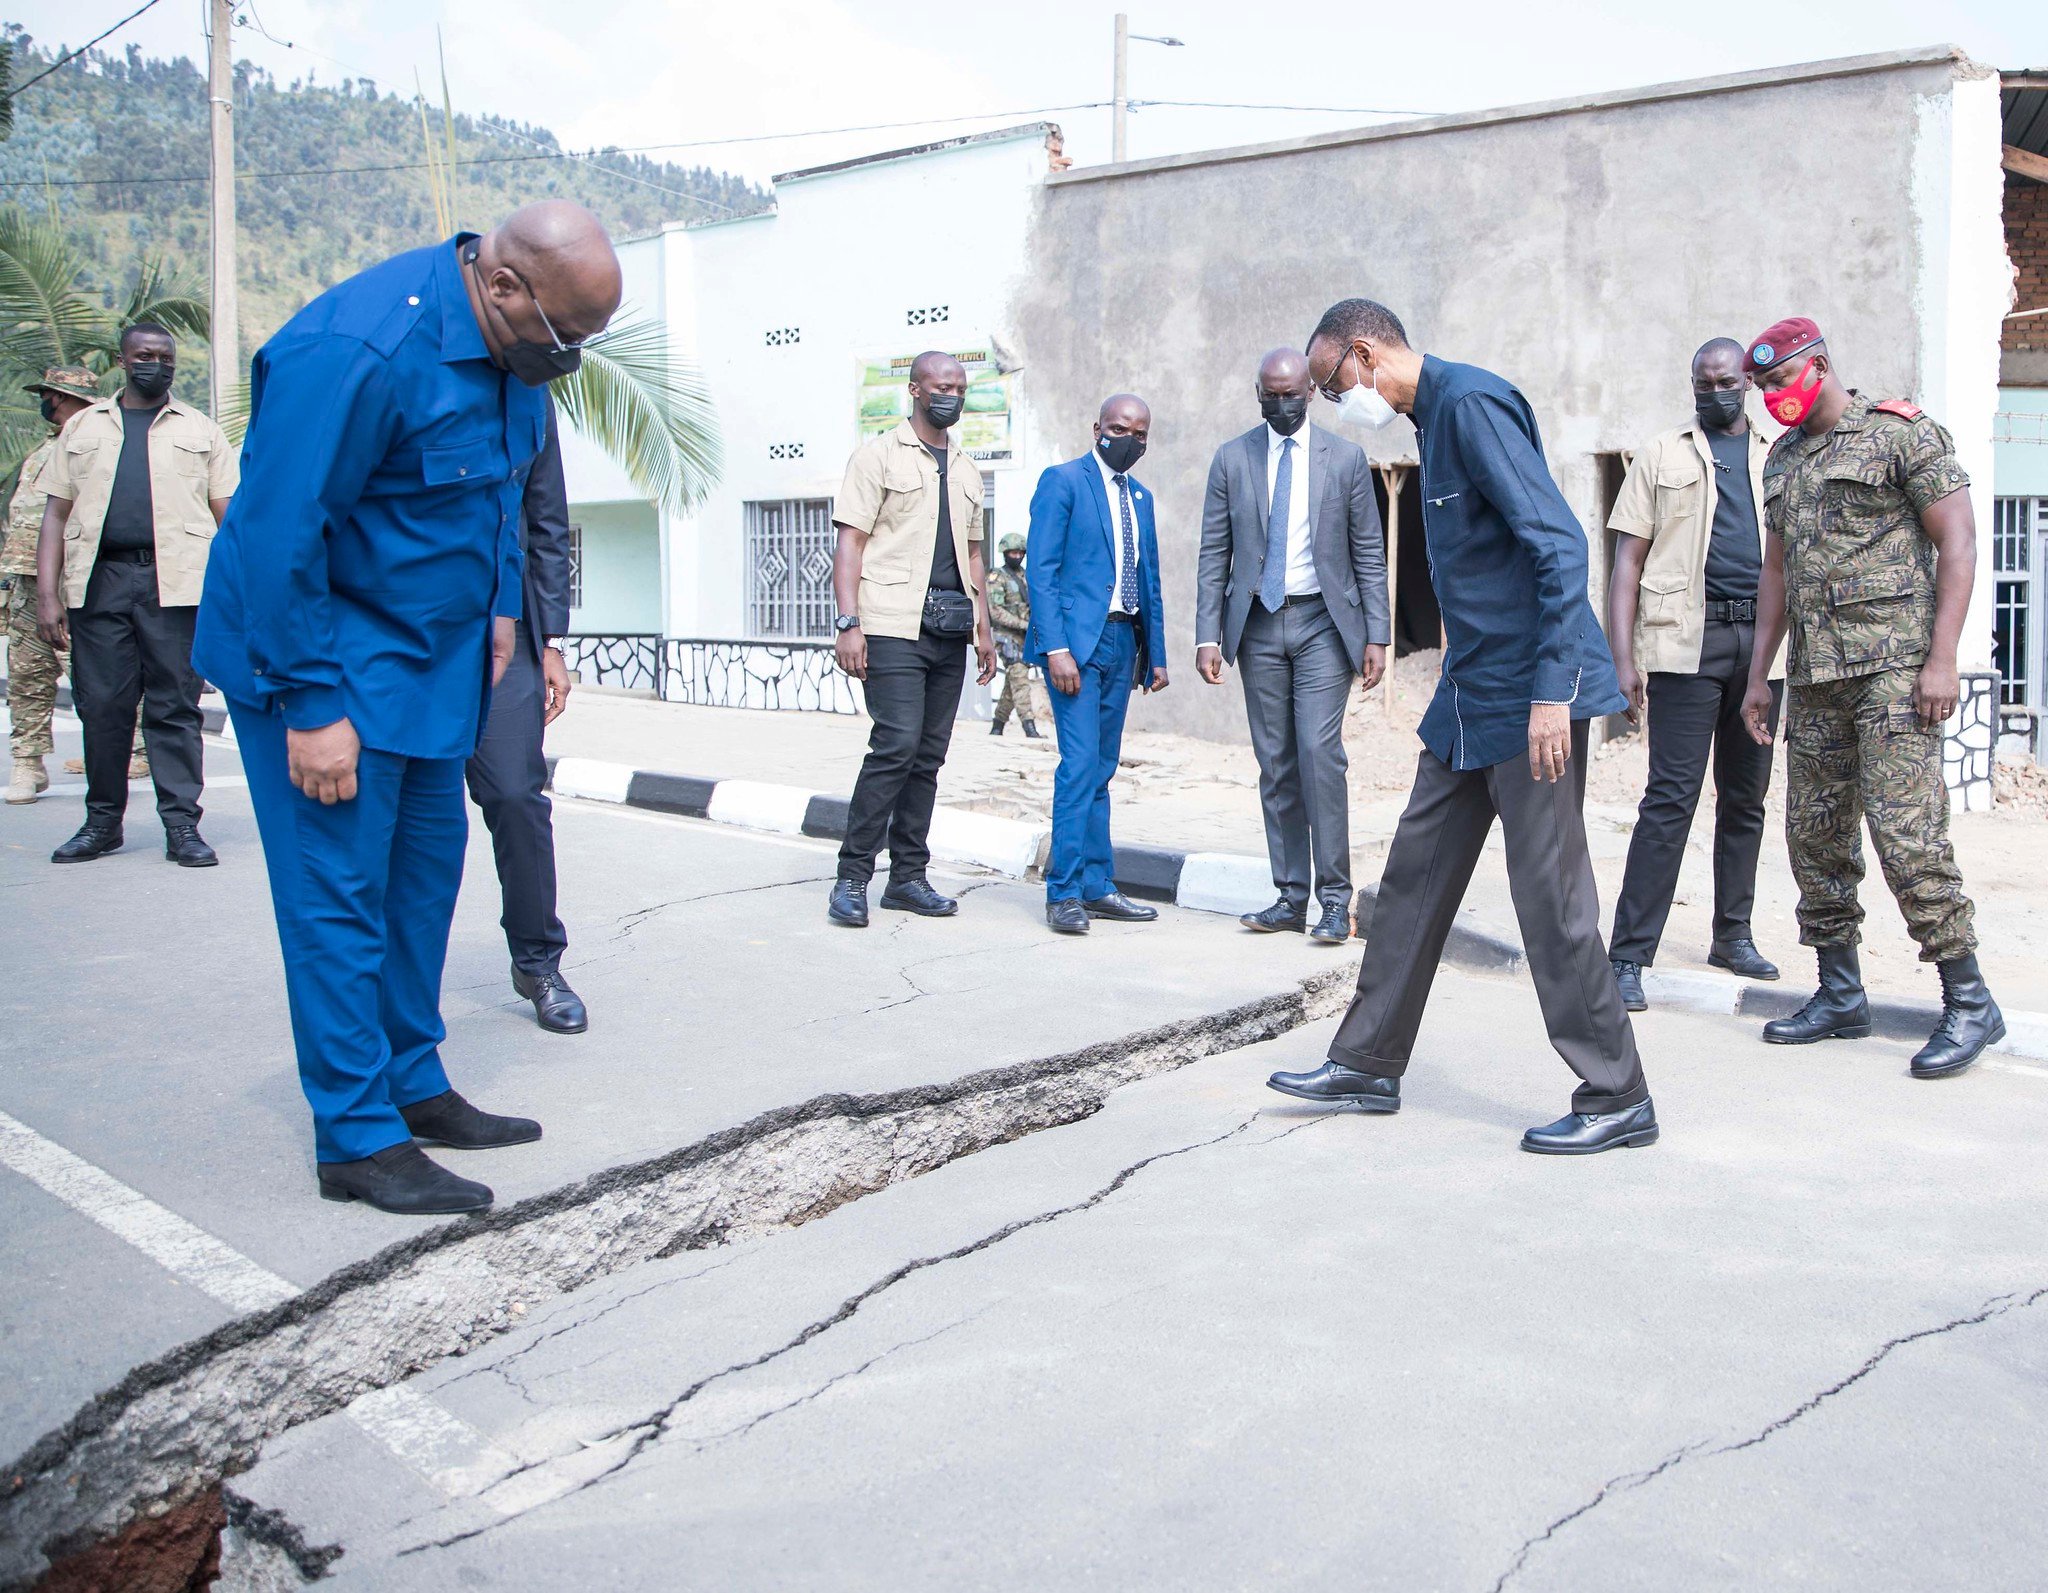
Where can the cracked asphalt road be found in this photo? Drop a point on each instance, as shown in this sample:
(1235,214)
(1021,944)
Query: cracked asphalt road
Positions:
(1211,1338)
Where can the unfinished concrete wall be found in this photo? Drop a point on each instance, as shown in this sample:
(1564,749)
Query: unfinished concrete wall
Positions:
(1583,251)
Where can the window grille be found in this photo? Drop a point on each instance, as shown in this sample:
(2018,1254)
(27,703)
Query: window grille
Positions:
(785,450)
(575,566)
(2016,524)
(783,336)
(789,568)
(930,315)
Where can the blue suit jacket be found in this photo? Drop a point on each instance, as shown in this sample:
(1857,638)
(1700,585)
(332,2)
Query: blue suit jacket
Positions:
(1070,565)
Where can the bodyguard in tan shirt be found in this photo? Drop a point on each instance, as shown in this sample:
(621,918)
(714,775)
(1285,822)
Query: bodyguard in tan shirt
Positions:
(1681,619)
(912,591)
(137,487)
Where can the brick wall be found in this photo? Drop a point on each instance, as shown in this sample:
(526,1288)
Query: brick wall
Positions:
(2026,240)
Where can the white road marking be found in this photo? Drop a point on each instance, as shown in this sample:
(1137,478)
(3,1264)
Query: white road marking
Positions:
(431,1439)
(174,1244)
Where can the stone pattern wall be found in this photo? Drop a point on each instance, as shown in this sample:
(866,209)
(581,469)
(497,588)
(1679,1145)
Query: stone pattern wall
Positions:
(1966,750)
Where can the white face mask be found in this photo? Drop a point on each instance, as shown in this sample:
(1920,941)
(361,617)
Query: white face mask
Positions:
(1362,405)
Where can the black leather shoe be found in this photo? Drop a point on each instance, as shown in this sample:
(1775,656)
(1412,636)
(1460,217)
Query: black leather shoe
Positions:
(556,1007)
(1628,976)
(1119,908)
(447,1119)
(402,1178)
(1838,1010)
(848,904)
(1282,918)
(1742,957)
(1032,732)
(1333,1084)
(1589,1133)
(917,896)
(1067,916)
(1333,928)
(1970,1021)
(183,846)
(91,841)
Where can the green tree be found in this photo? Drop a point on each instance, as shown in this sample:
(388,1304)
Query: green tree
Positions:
(653,416)
(49,317)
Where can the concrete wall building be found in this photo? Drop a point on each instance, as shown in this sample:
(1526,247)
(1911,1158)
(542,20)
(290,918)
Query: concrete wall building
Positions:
(1584,249)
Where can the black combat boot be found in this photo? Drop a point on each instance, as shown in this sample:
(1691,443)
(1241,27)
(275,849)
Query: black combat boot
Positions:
(995,728)
(1031,732)
(1970,1021)
(1838,1010)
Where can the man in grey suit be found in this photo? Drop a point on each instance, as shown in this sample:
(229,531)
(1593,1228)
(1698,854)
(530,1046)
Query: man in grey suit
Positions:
(1292,588)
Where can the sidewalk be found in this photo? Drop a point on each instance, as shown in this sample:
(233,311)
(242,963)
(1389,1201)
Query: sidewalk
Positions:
(1181,793)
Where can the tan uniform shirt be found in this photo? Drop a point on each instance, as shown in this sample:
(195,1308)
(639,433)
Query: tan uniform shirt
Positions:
(190,462)
(25,513)
(891,492)
(1669,500)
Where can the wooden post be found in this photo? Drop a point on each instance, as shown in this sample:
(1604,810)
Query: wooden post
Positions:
(1392,476)
(220,91)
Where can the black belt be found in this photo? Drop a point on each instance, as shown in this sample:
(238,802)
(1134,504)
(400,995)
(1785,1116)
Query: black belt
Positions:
(127,556)
(1118,617)
(1733,610)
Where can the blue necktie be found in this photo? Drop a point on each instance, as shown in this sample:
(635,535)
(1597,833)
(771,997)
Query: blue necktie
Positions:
(1127,576)
(1273,579)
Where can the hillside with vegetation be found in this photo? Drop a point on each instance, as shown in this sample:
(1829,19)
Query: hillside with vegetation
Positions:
(334,178)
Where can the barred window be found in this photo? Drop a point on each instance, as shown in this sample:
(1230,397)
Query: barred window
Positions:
(2016,525)
(575,566)
(789,568)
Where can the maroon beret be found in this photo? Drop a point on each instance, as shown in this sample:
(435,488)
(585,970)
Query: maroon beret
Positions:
(1779,341)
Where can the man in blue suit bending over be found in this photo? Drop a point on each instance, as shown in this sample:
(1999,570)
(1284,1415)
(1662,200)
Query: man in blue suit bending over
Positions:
(1098,629)
(360,602)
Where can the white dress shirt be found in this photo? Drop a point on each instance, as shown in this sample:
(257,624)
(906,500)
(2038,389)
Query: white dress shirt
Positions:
(1301,546)
(1126,600)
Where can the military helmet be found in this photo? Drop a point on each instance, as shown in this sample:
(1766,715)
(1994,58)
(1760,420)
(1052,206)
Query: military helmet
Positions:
(1013,543)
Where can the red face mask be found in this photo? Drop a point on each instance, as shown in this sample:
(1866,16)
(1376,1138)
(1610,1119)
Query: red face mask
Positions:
(1792,403)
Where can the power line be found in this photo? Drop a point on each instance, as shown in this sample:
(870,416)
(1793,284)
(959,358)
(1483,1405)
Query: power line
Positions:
(75,54)
(1232,105)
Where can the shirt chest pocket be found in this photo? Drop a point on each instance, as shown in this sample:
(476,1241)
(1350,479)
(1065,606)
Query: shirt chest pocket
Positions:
(477,462)
(1858,485)
(189,457)
(1681,491)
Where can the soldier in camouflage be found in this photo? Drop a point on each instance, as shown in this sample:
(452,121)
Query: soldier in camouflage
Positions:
(31,663)
(1009,606)
(1870,556)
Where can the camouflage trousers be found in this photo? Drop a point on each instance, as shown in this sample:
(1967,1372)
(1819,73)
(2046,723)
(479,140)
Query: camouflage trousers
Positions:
(1855,751)
(1018,695)
(32,671)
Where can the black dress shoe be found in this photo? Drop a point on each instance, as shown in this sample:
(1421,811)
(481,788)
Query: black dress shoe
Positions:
(1120,908)
(1282,918)
(447,1119)
(402,1178)
(1032,732)
(848,904)
(183,846)
(1742,957)
(1333,928)
(1588,1133)
(1628,978)
(558,1009)
(1333,1084)
(917,896)
(1067,916)
(1970,1021)
(92,840)
(1838,1010)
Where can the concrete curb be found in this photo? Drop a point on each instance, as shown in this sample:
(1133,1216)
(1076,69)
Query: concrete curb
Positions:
(216,717)
(1208,882)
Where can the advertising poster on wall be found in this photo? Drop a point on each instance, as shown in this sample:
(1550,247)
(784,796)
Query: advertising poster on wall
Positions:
(987,427)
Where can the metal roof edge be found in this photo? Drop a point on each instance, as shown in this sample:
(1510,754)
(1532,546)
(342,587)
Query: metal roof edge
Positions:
(994,135)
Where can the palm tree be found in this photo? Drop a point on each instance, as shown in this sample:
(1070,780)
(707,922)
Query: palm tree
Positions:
(651,414)
(49,317)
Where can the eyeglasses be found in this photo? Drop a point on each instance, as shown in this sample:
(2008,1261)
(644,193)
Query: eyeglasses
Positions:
(561,347)
(1324,387)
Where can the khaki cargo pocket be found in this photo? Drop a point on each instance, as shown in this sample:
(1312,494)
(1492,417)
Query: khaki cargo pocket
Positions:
(1663,599)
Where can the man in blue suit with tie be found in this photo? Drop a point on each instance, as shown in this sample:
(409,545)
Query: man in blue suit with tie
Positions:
(1098,629)
(359,605)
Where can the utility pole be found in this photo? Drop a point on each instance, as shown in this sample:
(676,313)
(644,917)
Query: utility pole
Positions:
(1120,96)
(220,91)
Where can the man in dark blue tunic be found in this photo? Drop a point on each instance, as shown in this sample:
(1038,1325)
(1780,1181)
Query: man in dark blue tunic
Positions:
(1525,667)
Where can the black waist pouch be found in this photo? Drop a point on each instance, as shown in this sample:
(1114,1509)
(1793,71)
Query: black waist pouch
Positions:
(948,614)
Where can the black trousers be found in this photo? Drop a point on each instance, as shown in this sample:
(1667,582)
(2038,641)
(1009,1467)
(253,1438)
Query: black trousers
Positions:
(508,776)
(913,692)
(1694,717)
(127,647)
(1550,876)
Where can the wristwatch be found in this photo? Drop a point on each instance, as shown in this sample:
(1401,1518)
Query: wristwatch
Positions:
(846,622)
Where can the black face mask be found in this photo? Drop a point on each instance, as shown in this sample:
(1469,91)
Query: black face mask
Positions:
(1120,453)
(536,364)
(1284,412)
(942,409)
(150,378)
(1718,409)
(49,409)
(1014,560)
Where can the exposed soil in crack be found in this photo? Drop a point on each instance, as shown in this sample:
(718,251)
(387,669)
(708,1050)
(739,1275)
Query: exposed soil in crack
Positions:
(174,1426)
(1705,1449)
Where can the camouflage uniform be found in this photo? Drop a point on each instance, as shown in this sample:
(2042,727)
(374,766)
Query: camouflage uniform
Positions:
(31,662)
(1009,605)
(1859,593)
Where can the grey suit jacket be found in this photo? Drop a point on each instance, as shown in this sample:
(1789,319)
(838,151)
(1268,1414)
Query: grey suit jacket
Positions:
(1344,519)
